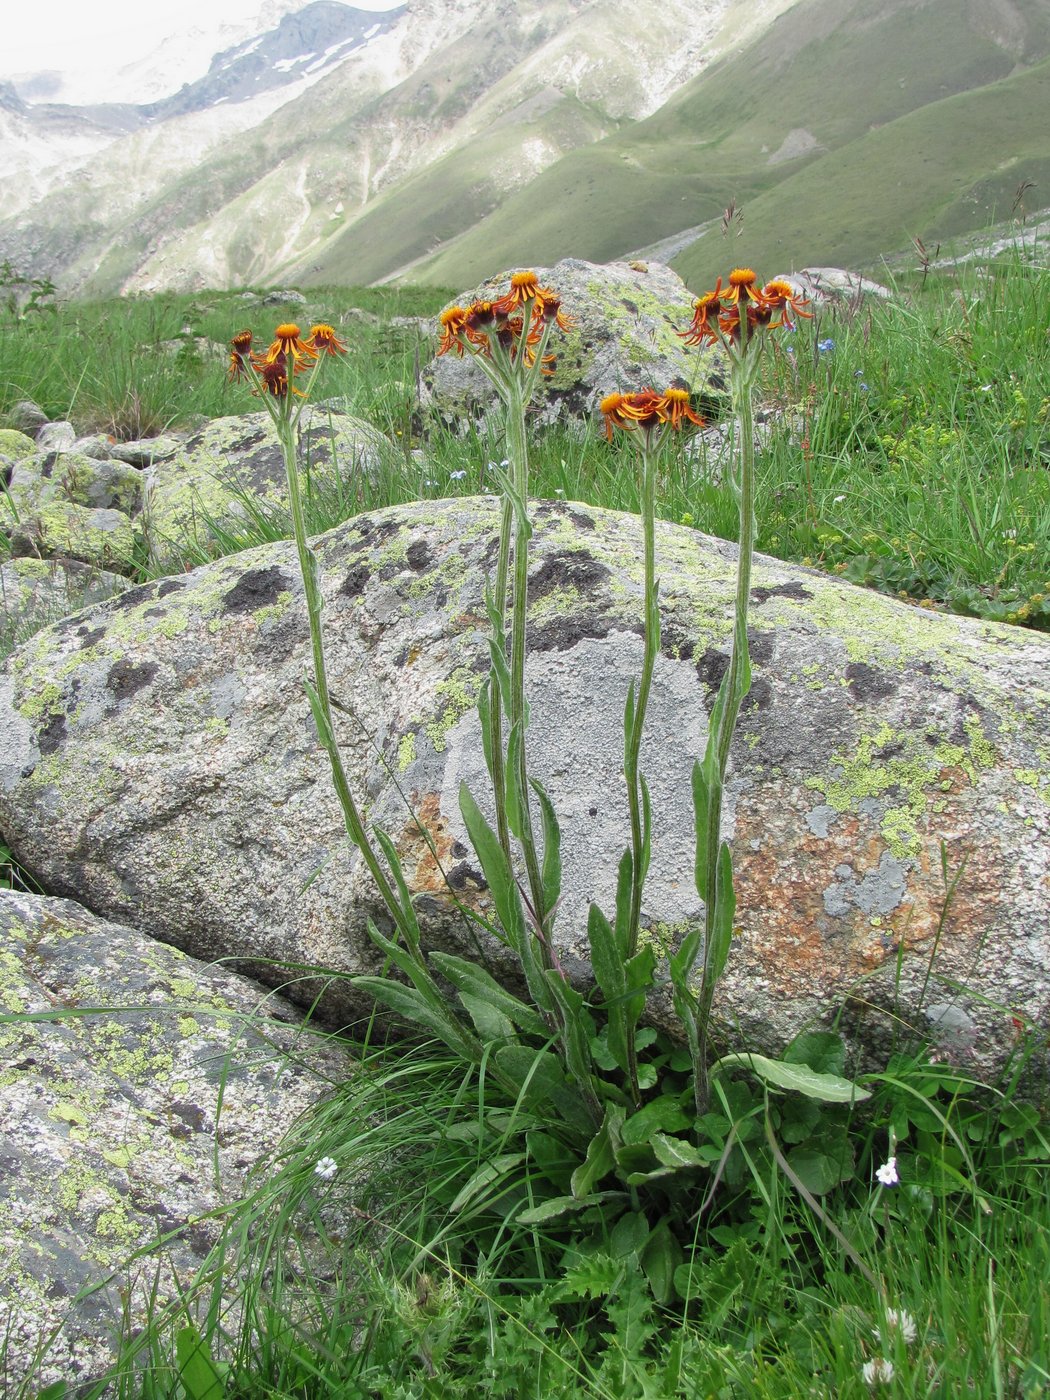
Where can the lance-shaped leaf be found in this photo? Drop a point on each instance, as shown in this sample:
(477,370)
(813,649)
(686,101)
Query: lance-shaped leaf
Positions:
(505,895)
(829,1088)
(601,1154)
(474,981)
(411,1005)
(550,875)
(725,908)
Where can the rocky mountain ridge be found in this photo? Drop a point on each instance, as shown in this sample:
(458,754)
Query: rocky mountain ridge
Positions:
(461,136)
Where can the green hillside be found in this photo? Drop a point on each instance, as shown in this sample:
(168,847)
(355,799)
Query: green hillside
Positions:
(936,173)
(823,79)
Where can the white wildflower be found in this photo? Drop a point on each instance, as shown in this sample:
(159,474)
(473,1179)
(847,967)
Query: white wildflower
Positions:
(326,1168)
(887,1174)
(878,1371)
(901,1323)
(456,476)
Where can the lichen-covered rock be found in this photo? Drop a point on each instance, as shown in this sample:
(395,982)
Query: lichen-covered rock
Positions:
(120,1127)
(98,483)
(161,764)
(15,444)
(34,592)
(624,337)
(26,416)
(230,461)
(62,529)
(56,437)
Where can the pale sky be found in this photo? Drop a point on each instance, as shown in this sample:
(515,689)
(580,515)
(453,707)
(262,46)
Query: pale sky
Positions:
(73,34)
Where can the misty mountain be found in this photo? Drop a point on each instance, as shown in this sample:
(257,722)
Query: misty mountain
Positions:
(453,138)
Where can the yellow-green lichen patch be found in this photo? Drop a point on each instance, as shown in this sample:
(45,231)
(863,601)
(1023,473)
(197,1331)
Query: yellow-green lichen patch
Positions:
(16,445)
(897,766)
(457,694)
(406,752)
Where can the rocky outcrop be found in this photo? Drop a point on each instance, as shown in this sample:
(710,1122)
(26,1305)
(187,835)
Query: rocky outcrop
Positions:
(161,766)
(624,336)
(132,1110)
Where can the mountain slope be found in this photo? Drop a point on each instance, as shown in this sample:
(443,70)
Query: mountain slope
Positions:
(814,82)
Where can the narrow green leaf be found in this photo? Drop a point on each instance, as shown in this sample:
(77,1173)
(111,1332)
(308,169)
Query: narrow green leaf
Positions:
(516,796)
(551,873)
(829,1088)
(477,982)
(410,927)
(725,909)
(409,1004)
(624,888)
(497,872)
(483,1186)
(702,815)
(577,1026)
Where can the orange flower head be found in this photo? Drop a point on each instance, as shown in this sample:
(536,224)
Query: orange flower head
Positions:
(524,286)
(453,323)
(676,410)
(240,351)
(274,376)
(548,308)
(630,411)
(742,283)
(701,331)
(286,342)
(323,340)
(780,296)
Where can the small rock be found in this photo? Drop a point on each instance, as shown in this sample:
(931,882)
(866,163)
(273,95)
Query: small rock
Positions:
(56,437)
(27,417)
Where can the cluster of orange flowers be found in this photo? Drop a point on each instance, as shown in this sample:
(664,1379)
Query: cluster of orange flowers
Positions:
(286,347)
(716,315)
(475,327)
(648,410)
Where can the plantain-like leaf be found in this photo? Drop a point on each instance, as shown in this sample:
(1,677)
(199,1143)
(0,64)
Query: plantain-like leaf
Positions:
(577,1026)
(702,817)
(829,1088)
(562,1205)
(675,1152)
(468,977)
(601,1154)
(661,1256)
(411,1005)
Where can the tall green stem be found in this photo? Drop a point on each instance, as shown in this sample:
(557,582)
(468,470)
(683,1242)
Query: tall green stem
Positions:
(287,428)
(735,686)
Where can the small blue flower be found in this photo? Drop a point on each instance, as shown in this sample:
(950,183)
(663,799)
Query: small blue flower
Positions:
(789,349)
(825,346)
(863,388)
(456,476)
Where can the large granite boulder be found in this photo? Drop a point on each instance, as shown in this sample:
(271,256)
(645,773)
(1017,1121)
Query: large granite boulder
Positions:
(130,1114)
(161,765)
(34,592)
(625,315)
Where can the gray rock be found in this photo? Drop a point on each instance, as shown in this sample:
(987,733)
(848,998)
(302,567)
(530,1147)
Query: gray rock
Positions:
(144,452)
(35,592)
(161,764)
(27,417)
(122,1128)
(82,478)
(826,286)
(624,338)
(230,463)
(56,437)
(105,539)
